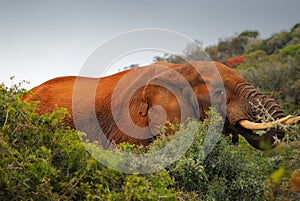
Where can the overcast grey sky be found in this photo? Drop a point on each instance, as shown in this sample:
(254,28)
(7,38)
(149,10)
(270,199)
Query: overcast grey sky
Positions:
(42,39)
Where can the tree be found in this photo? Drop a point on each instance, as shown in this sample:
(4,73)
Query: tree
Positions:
(192,52)
(277,41)
(249,34)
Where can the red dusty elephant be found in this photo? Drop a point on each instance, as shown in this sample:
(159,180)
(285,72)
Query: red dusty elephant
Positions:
(128,106)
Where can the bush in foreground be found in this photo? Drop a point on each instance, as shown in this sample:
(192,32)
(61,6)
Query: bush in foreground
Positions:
(41,159)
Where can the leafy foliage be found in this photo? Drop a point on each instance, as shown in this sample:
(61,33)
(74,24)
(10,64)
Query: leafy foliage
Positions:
(41,159)
(227,173)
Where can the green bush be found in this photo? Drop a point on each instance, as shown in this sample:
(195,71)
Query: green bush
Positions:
(291,50)
(233,172)
(41,159)
(227,173)
(284,182)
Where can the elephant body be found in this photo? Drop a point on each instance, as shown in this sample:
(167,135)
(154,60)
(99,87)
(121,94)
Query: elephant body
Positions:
(130,105)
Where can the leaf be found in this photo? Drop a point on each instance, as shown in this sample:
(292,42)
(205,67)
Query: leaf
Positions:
(277,175)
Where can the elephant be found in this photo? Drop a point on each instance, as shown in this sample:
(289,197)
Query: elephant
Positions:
(129,106)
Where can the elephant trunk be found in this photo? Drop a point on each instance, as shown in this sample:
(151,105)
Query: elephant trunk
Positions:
(260,110)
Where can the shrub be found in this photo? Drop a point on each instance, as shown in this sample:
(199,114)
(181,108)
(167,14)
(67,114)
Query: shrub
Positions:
(290,50)
(227,173)
(41,159)
(235,61)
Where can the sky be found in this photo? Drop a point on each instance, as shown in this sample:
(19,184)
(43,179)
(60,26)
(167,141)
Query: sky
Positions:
(40,39)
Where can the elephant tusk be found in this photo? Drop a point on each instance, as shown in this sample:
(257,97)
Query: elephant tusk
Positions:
(262,126)
(292,121)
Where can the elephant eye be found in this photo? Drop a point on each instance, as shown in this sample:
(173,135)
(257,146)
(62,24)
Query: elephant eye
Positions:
(219,92)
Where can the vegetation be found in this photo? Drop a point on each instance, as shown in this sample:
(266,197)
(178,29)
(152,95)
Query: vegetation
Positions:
(41,159)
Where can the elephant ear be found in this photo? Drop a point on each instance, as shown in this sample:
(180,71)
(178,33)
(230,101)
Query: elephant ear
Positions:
(128,106)
(169,96)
